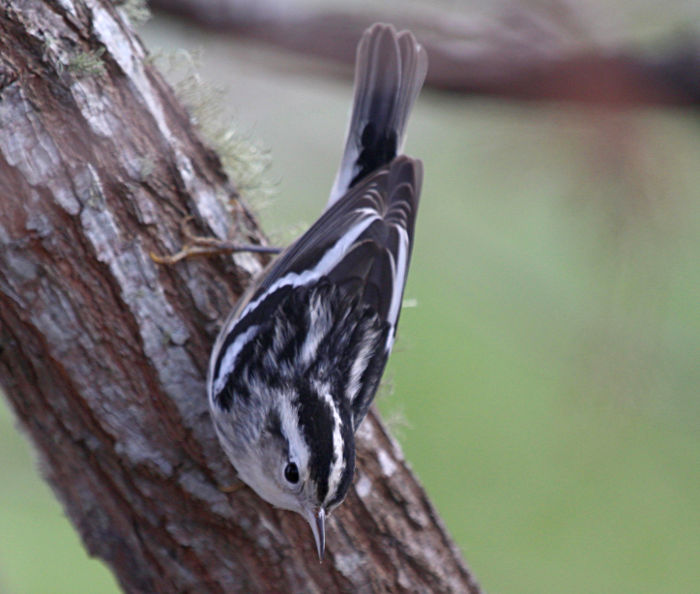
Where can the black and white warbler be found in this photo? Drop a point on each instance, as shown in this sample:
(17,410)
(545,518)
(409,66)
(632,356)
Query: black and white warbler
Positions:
(296,365)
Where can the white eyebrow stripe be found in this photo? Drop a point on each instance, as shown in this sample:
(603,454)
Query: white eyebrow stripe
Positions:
(289,418)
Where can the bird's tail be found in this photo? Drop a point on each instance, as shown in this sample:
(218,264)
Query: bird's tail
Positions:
(390,68)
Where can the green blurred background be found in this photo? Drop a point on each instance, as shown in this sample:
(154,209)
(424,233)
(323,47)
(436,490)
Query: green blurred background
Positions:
(545,382)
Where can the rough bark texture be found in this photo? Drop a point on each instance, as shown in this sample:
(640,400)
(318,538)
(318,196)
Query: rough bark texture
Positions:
(103,353)
(534,52)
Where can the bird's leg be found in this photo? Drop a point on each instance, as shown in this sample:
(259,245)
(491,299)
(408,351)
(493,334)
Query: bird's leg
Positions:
(197,245)
(237,486)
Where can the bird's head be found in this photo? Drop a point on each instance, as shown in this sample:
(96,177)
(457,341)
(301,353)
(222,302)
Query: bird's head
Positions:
(303,459)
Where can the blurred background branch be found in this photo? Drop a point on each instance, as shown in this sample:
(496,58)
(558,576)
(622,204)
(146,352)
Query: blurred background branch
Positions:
(532,51)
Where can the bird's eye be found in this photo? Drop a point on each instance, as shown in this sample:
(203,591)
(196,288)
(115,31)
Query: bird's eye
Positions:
(291,473)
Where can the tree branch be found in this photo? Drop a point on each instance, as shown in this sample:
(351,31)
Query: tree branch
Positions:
(103,353)
(528,54)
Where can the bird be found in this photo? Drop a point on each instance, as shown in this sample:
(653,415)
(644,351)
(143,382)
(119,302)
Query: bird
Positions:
(298,361)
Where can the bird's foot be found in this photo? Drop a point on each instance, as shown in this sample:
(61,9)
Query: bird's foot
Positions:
(197,245)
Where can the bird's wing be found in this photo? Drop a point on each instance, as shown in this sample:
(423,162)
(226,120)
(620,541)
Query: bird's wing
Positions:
(361,243)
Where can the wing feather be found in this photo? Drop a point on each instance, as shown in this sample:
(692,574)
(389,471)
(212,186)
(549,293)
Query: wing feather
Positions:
(362,242)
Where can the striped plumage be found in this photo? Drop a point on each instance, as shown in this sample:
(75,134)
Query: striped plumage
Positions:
(297,363)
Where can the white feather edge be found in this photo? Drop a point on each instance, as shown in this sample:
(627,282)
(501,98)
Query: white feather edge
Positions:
(400,270)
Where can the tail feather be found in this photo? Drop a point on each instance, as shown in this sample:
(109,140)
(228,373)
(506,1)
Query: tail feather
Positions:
(389,73)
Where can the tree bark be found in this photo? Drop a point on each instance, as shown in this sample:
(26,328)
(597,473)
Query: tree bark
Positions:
(103,353)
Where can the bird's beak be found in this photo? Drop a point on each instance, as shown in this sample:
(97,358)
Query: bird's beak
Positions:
(317,521)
